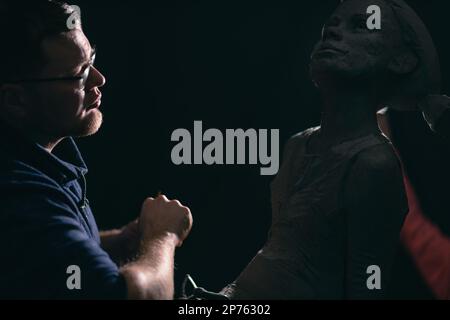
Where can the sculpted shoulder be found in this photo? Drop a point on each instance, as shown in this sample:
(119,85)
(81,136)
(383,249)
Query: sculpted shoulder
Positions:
(380,158)
(298,141)
(376,174)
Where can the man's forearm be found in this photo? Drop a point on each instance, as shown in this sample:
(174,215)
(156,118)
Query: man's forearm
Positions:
(150,277)
(430,249)
(111,242)
(428,246)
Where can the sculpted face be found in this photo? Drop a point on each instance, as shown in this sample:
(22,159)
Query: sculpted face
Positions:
(349,50)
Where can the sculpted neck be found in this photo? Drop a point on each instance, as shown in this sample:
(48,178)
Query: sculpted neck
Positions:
(347,113)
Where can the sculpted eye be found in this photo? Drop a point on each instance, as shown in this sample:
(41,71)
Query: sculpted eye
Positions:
(360,23)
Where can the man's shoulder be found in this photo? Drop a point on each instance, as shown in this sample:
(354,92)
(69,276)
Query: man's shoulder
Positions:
(24,186)
(15,173)
(32,197)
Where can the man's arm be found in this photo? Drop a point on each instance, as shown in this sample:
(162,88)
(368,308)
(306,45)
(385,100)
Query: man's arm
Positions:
(151,275)
(428,246)
(42,234)
(122,245)
(376,206)
(48,238)
(111,242)
(163,225)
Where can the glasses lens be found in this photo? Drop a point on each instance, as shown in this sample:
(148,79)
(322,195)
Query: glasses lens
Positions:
(88,71)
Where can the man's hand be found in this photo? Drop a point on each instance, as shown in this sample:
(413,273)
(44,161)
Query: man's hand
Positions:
(163,225)
(161,216)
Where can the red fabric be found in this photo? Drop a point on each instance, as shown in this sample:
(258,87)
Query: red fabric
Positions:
(428,246)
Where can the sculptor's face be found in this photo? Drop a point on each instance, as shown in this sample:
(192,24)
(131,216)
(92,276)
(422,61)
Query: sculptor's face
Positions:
(61,108)
(348,49)
(69,108)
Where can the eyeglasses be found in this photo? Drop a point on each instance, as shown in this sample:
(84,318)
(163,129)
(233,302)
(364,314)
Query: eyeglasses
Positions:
(83,78)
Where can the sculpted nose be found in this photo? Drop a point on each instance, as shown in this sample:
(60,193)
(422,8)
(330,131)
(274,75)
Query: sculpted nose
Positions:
(331,33)
(332,29)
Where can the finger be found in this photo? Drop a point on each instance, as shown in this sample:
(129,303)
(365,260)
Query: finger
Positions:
(148,201)
(187,211)
(177,202)
(163,197)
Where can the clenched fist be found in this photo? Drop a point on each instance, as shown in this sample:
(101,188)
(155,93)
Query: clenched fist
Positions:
(162,216)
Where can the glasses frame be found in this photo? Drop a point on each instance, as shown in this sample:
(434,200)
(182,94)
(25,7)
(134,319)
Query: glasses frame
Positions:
(83,77)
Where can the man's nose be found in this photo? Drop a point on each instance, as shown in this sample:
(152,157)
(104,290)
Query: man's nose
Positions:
(97,78)
(331,33)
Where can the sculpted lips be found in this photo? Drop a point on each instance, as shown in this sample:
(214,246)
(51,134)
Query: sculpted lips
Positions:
(327,48)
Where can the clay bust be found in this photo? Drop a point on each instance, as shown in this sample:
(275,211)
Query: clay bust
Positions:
(338,200)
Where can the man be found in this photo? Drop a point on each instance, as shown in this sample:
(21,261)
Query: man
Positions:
(49,93)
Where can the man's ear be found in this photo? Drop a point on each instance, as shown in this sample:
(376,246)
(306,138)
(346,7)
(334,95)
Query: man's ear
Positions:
(403,63)
(13,101)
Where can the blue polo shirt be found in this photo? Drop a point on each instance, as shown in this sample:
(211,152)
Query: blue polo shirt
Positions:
(46,226)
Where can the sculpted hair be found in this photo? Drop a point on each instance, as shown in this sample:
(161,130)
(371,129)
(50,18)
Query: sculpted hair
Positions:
(426,77)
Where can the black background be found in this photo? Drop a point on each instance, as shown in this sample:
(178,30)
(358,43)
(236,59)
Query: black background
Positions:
(231,64)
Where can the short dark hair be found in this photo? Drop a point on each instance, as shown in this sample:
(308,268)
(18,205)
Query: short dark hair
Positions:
(24,24)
